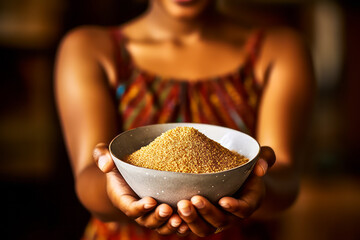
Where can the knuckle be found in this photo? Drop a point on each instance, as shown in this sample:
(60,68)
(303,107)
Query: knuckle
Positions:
(130,213)
(158,218)
(150,225)
(245,210)
(139,221)
(147,225)
(162,219)
(206,211)
(127,213)
(153,223)
(132,210)
(191,219)
(164,231)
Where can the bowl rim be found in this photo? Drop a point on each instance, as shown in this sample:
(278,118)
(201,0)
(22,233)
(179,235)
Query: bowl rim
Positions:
(255,158)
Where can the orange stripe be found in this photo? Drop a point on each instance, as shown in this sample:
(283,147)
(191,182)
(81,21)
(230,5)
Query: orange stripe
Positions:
(129,121)
(135,101)
(220,102)
(130,93)
(144,115)
(194,104)
(168,105)
(211,113)
(240,109)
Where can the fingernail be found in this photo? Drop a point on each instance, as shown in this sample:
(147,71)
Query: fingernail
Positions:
(163,213)
(102,162)
(183,229)
(175,223)
(198,203)
(149,205)
(184,209)
(224,205)
(263,164)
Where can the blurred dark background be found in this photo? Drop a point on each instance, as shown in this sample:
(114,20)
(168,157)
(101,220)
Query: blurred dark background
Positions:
(37,196)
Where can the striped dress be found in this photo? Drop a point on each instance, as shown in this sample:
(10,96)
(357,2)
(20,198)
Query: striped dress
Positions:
(230,100)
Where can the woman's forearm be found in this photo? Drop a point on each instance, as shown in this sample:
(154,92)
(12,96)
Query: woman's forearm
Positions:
(91,190)
(281,190)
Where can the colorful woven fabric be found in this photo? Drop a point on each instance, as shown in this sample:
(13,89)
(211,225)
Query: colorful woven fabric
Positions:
(230,100)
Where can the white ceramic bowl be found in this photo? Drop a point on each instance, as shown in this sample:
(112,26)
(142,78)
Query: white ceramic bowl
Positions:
(170,187)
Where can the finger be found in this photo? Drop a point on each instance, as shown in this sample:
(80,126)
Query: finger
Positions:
(103,158)
(197,225)
(268,154)
(267,158)
(171,226)
(135,208)
(249,200)
(183,230)
(124,198)
(261,168)
(209,212)
(156,218)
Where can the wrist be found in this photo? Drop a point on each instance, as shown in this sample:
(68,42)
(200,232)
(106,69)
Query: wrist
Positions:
(90,186)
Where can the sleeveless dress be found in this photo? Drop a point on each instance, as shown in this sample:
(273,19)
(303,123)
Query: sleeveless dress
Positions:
(230,100)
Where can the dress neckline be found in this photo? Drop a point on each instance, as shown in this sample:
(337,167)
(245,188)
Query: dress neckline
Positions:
(252,45)
(151,75)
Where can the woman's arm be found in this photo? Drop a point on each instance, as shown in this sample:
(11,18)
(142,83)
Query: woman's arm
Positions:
(285,68)
(85,68)
(285,106)
(87,114)
(284,112)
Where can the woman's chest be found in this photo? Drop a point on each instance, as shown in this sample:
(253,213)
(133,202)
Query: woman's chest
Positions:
(190,61)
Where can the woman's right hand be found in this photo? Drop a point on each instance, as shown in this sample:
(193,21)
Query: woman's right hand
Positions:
(146,212)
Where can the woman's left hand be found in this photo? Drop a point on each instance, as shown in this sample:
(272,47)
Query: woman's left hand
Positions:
(204,218)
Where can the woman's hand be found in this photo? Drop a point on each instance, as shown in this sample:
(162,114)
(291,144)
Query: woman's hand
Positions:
(204,218)
(144,211)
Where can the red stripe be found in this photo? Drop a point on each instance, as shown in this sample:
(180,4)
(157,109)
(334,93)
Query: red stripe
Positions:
(144,114)
(167,109)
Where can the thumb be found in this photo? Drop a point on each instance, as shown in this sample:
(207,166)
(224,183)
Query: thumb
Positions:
(267,158)
(103,158)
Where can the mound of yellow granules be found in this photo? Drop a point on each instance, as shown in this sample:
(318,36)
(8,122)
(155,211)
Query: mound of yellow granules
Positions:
(185,149)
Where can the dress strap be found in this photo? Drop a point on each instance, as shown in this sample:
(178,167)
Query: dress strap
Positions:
(122,57)
(254,45)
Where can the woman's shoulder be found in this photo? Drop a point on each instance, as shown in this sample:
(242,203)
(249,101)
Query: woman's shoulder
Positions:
(239,32)
(284,37)
(87,31)
(281,44)
(284,42)
(87,40)
(91,46)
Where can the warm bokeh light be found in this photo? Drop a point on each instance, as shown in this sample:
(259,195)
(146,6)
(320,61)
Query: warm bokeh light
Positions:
(36,180)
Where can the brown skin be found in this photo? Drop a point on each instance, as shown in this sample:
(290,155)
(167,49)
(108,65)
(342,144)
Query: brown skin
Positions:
(182,46)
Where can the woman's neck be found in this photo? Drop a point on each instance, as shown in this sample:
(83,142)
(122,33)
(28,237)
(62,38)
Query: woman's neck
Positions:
(162,26)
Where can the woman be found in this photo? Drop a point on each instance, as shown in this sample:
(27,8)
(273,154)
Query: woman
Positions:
(181,61)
